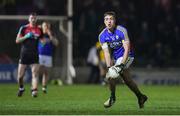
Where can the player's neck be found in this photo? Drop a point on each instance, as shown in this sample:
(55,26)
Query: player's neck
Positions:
(44,31)
(111,30)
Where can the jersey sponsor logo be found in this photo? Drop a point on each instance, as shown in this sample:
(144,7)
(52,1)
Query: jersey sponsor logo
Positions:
(115,44)
(113,38)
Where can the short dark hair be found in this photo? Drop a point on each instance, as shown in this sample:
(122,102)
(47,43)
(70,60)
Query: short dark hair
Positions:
(33,14)
(112,13)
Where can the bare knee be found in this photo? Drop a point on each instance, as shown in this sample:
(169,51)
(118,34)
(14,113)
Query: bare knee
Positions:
(35,70)
(20,75)
(21,71)
(35,74)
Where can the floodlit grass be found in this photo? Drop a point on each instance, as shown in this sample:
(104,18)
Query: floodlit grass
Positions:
(88,100)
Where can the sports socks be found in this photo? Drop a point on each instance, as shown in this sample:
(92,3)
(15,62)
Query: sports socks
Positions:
(112,88)
(21,87)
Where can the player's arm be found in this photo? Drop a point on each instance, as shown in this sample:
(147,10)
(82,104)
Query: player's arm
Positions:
(107,55)
(126,45)
(112,71)
(119,68)
(53,39)
(20,38)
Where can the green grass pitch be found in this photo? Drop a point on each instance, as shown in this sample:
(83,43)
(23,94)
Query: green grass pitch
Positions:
(88,100)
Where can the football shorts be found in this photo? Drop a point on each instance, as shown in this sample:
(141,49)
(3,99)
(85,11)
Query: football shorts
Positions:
(128,62)
(45,60)
(28,58)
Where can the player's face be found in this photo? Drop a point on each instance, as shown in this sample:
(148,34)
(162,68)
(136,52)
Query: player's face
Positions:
(45,26)
(32,19)
(109,21)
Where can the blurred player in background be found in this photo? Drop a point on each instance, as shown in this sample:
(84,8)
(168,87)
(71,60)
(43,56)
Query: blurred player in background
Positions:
(115,41)
(102,63)
(93,63)
(45,48)
(28,36)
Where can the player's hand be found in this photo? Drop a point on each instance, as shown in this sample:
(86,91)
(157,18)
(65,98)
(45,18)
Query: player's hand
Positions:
(28,35)
(107,73)
(120,68)
(49,32)
(112,73)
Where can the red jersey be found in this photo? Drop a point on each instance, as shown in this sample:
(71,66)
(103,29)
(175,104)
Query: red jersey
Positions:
(30,45)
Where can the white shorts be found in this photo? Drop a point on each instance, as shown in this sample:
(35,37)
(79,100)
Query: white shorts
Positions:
(45,60)
(128,62)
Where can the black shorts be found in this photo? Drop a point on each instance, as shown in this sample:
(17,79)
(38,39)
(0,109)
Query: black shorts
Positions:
(29,58)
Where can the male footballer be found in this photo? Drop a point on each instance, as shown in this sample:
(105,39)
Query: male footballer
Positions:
(28,36)
(116,46)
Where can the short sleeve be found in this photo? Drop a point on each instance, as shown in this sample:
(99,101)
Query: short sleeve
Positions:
(124,33)
(102,41)
(101,38)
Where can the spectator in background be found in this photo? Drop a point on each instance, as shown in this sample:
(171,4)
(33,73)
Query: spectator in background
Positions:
(102,64)
(93,63)
(45,48)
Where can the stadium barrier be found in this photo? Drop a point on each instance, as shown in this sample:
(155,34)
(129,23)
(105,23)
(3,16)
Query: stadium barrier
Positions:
(8,74)
(157,77)
(141,76)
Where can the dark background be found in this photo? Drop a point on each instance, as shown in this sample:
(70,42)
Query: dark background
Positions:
(153,27)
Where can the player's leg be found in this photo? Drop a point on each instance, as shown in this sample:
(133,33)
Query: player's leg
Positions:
(126,75)
(102,68)
(35,75)
(112,98)
(45,78)
(132,85)
(21,72)
(46,64)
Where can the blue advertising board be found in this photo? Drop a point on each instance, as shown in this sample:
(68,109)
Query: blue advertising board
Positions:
(8,73)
